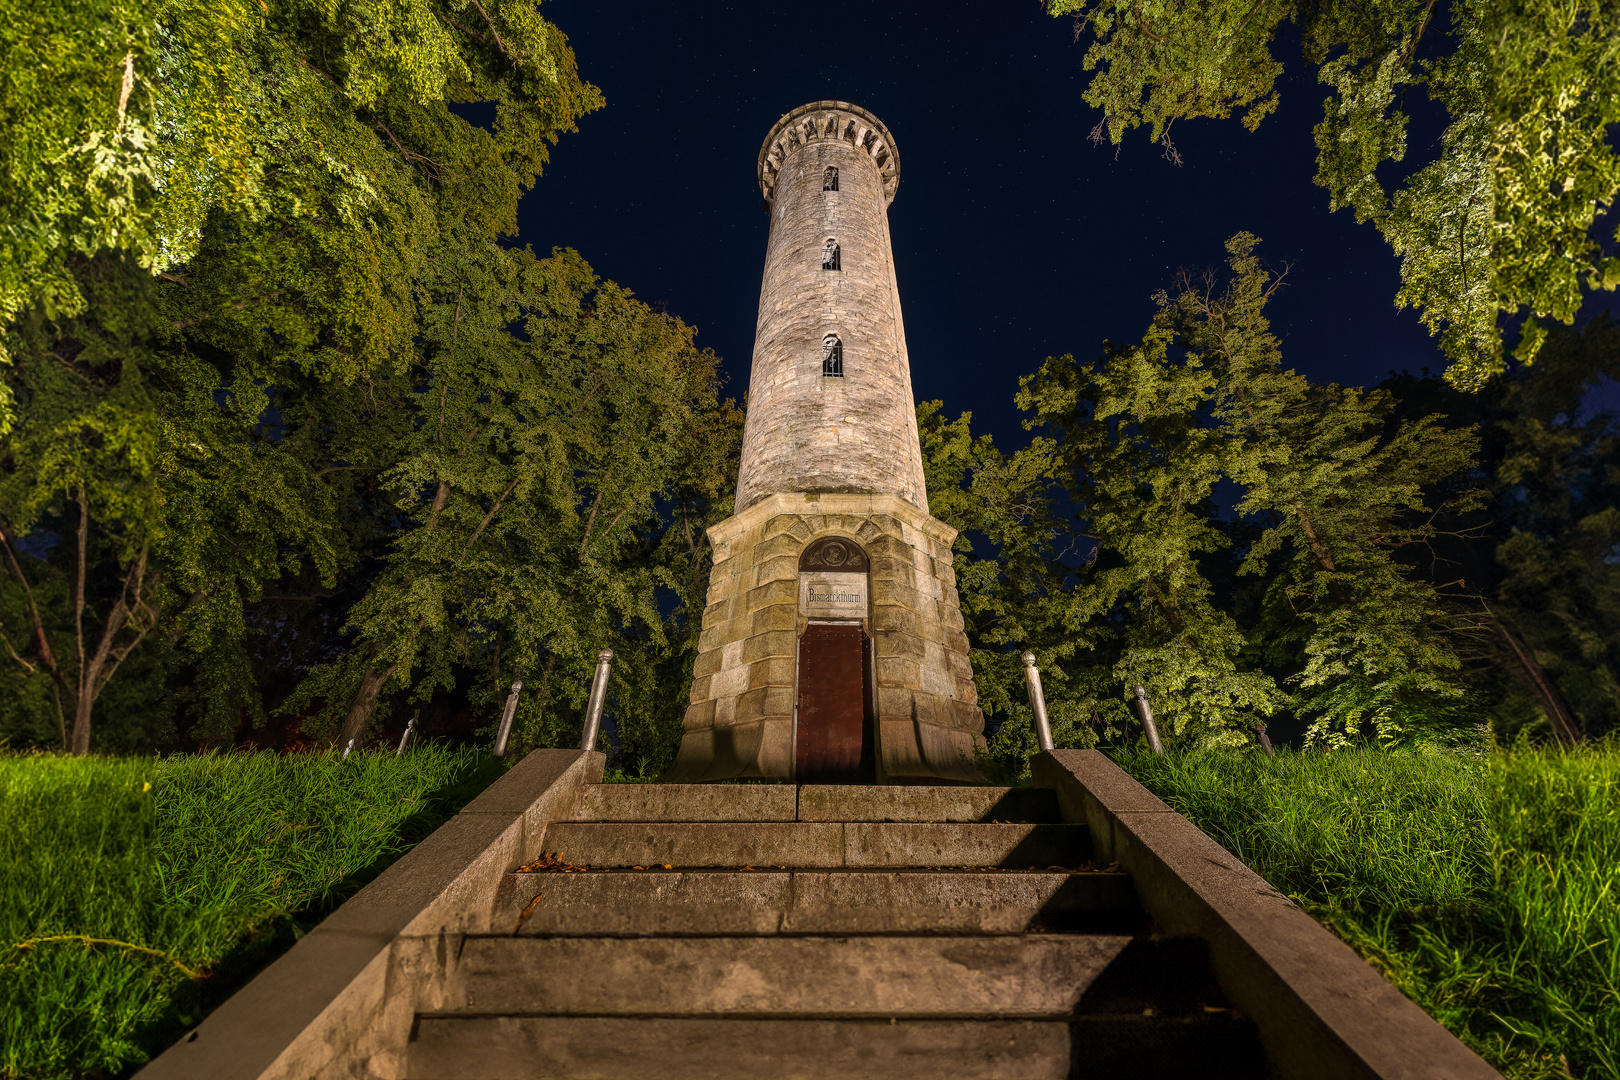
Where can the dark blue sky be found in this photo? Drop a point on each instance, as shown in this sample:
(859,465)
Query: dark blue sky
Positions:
(1015,238)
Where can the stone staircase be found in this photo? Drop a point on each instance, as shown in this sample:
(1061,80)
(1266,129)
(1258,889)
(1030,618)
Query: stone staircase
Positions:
(685,931)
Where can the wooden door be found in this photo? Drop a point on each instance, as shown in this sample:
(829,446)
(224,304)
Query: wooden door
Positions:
(832,730)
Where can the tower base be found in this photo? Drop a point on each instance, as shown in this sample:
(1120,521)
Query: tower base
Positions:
(922,710)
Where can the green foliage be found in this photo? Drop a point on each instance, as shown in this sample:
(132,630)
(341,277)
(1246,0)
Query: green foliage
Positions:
(136,128)
(190,438)
(1499,223)
(1012,580)
(553,460)
(138,893)
(1482,885)
(1332,495)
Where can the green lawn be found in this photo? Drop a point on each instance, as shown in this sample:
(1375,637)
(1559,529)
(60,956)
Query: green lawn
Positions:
(1486,886)
(138,893)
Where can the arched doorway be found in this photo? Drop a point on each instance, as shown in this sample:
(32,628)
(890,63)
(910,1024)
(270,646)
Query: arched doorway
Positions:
(833,730)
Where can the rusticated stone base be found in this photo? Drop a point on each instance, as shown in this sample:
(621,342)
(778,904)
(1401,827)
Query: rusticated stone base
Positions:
(740,723)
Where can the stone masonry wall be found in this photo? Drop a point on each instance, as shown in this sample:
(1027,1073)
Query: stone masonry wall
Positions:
(807,432)
(740,720)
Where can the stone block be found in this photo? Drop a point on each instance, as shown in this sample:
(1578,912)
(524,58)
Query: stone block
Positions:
(713,637)
(964,714)
(895,592)
(779,525)
(890,618)
(958,665)
(700,689)
(699,714)
(777,671)
(728,683)
(906,646)
(935,679)
(717,612)
(890,568)
(898,671)
(767,701)
(867,532)
(776,643)
(782,568)
(785,591)
(731,655)
(779,546)
(884,544)
(707,663)
(925,706)
(725,712)
(894,705)
(929,587)
(776,617)
(967,693)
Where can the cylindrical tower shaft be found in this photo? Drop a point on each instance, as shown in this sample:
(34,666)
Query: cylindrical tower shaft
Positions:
(830,406)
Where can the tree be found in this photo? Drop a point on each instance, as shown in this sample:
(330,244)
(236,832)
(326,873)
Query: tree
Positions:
(1344,497)
(1140,464)
(298,133)
(152,502)
(1331,496)
(1016,560)
(291,178)
(1499,224)
(540,456)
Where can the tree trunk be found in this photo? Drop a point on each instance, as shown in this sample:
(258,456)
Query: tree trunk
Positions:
(1563,723)
(365,701)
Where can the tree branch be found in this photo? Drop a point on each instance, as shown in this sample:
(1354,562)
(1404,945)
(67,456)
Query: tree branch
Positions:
(497,34)
(489,516)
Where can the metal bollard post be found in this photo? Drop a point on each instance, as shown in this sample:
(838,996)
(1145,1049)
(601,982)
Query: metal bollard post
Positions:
(406,738)
(1037,702)
(1265,740)
(593,708)
(1145,711)
(505,731)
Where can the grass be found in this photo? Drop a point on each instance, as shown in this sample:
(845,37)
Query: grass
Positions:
(1485,886)
(138,893)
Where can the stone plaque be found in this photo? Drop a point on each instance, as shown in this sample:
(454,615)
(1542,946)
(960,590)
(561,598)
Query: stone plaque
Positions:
(832,596)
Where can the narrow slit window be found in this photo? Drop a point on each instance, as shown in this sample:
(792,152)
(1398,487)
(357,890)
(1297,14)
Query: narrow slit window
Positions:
(832,357)
(829,179)
(830,255)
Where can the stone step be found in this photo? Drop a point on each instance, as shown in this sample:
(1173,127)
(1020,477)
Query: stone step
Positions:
(687,802)
(813,802)
(816,844)
(1206,1046)
(1040,976)
(839,802)
(706,903)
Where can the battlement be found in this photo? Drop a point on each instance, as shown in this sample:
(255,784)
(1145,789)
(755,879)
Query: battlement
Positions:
(823,120)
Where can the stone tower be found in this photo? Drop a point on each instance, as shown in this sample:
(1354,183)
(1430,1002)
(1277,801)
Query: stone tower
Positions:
(832,644)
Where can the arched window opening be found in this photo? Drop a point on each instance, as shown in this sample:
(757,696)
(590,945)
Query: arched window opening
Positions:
(829,179)
(830,254)
(832,357)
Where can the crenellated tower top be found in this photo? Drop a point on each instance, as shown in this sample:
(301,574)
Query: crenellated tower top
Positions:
(822,120)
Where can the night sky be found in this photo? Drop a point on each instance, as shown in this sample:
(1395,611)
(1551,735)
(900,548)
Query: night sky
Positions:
(1015,237)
